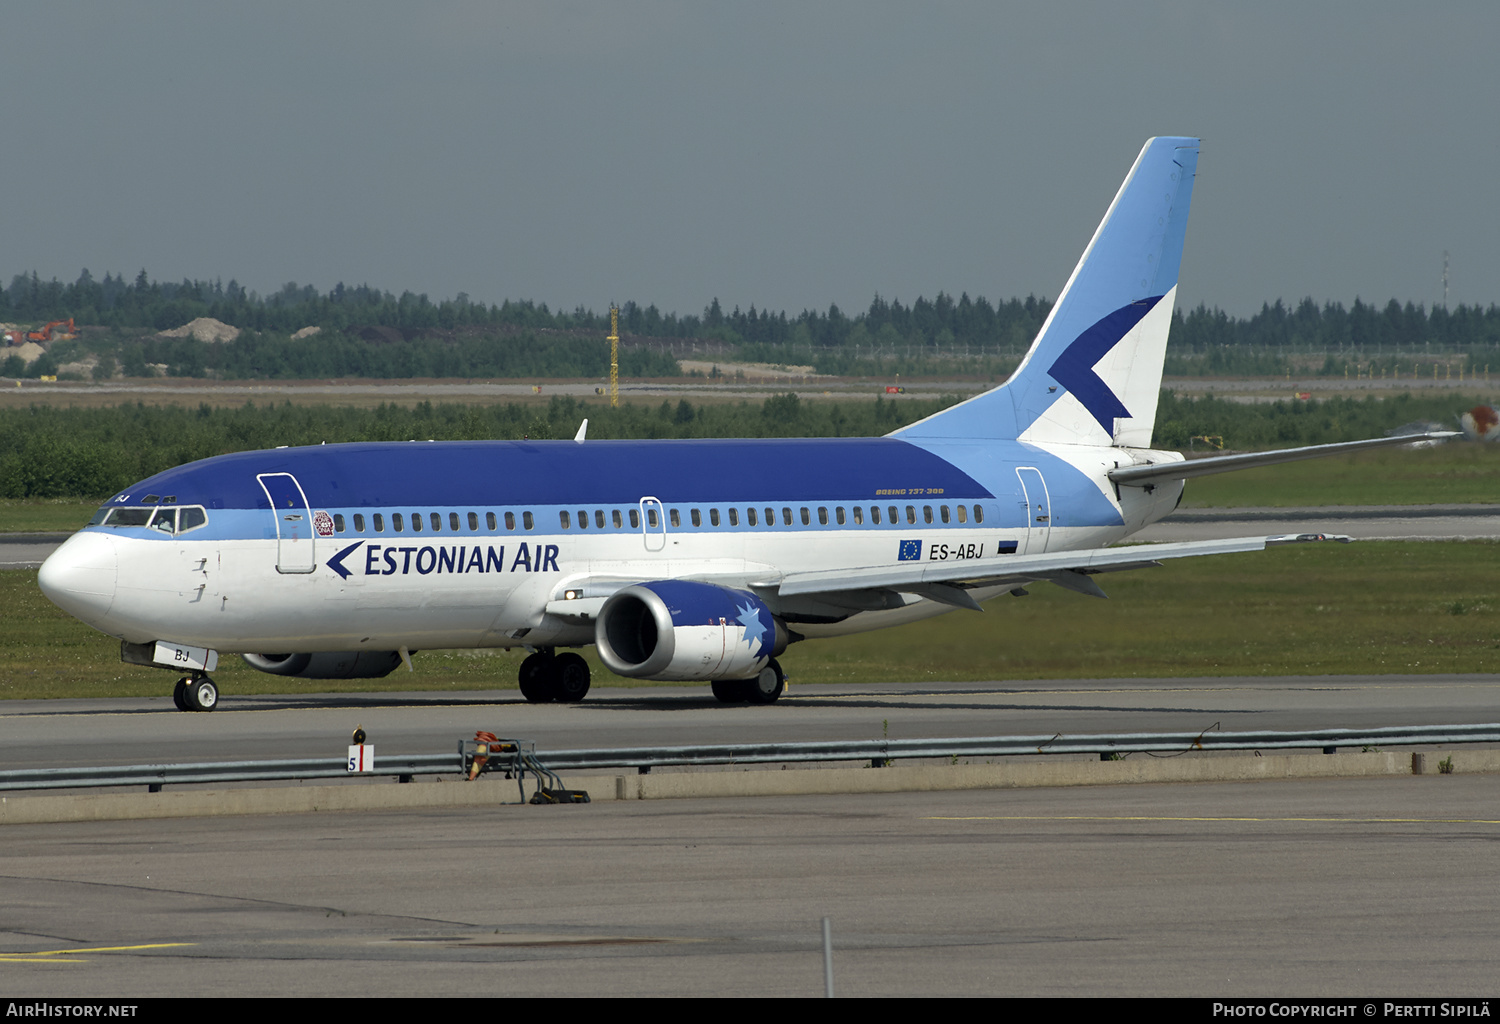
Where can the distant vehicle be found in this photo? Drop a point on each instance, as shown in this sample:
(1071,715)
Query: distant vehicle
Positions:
(686,560)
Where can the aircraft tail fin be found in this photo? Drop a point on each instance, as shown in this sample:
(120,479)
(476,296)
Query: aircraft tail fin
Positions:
(1093,374)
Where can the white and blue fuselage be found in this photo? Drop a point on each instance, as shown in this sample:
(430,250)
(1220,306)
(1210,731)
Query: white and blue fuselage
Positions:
(679,559)
(468,544)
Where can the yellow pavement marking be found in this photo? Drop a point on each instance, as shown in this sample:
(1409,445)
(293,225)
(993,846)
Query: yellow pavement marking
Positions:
(62,955)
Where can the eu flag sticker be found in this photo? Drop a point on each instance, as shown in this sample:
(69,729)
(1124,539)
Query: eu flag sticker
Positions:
(911,551)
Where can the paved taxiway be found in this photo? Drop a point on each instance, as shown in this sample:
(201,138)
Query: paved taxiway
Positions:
(1355,887)
(55,733)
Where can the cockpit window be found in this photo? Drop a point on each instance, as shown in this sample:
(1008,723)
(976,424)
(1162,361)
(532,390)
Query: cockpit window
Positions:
(169,520)
(190,518)
(129,517)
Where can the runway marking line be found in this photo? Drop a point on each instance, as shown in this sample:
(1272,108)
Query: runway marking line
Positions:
(61,956)
(1146,817)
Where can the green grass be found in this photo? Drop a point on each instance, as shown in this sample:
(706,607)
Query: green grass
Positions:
(1376,607)
(45,515)
(1457,473)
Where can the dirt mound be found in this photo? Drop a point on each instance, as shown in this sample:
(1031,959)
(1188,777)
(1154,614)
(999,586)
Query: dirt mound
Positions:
(306,332)
(205,328)
(29,352)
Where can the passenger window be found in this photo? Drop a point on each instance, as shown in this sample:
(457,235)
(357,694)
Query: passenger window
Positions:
(562,517)
(859,515)
(786,515)
(437,522)
(875,515)
(713,517)
(750,516)
(379,523)
(474,522)
(806,518)
(396,521)
(526,520)
(635,519)
(583,519)
(338,523)
(615,515)
(911,514)
(895,514)
(675,519)
(978,513)
(927,514)
(943,511)
(416,522)
(599,518)
(651,517)
(734,517)
(697,519)
(453,521)
(771,517)
(963,516)
(359,523)
(822,515)
(838,514)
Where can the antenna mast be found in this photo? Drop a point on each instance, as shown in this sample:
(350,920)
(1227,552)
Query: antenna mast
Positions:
(614,356)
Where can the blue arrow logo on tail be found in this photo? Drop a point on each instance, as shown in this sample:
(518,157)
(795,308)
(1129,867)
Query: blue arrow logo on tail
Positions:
(336,563)
(1074,369)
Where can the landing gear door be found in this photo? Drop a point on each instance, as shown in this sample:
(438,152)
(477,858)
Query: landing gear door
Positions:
(1038,510)
(653,524)
(294,528)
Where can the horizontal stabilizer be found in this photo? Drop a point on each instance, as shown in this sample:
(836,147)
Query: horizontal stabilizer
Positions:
(1153,473)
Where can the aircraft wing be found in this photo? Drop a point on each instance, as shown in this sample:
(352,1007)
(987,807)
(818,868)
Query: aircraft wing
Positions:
(949,582)
(1155,472)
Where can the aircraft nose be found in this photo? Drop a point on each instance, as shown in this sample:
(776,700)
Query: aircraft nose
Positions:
(79,577)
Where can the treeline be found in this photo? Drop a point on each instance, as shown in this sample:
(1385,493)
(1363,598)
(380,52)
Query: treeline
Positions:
(92,453)
(887,329)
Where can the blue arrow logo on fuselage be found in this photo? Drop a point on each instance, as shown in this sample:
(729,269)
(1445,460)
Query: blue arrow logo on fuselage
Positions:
(336,563)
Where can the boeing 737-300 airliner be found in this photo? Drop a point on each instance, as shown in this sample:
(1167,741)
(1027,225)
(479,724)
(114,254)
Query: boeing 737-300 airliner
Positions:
(684,560)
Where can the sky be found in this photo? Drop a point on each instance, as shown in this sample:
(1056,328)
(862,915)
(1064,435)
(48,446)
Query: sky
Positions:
(786,155)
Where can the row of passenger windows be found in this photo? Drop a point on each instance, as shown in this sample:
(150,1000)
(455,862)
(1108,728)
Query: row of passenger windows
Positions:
(602,519)
(434,520)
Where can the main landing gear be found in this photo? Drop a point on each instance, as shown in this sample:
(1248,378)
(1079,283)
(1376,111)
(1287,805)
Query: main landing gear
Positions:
(195,693)
(547,677)
(763,689)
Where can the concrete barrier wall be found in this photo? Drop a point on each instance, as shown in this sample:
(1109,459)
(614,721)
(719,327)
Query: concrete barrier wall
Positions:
(192,803)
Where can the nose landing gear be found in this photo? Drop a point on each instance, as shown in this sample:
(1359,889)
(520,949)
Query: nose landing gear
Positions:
(195,693)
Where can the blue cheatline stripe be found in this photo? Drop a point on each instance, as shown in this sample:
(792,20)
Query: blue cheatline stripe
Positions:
(513,474)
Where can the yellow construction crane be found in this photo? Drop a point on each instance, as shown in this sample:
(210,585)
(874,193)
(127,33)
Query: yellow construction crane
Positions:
(614,356)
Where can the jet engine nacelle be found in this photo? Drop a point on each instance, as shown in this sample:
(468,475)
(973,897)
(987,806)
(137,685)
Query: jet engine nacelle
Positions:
(678,629)
(327,664)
